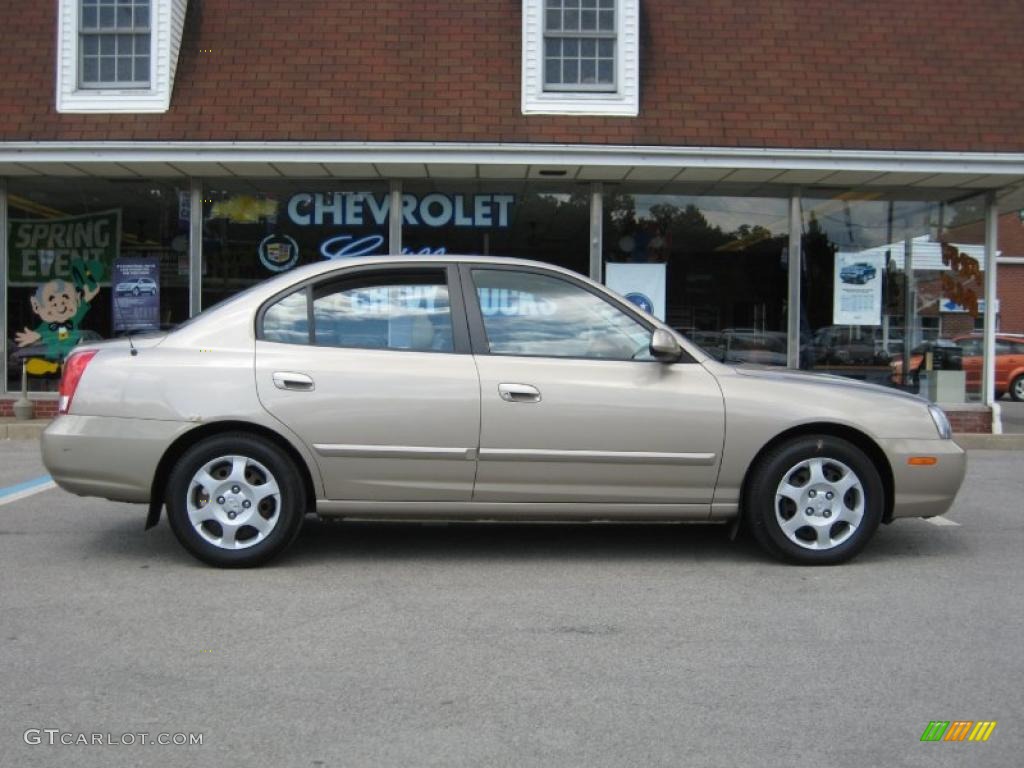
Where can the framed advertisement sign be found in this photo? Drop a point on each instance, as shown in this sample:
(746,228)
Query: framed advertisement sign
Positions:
(857,292)
(135,288)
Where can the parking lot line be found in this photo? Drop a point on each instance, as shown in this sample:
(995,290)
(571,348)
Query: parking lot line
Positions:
(13,493)
(940,520)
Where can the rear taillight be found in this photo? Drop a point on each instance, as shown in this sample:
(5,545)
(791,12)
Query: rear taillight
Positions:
(74,367)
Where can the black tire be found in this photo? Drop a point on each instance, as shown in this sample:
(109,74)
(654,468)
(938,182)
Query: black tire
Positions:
(767,511)
(1017,389)
(281,513)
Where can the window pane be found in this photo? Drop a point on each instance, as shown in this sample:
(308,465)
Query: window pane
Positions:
(107,70)
(553,48)
(389,313)
(570,48)
(142,69)
(90,45)
(588,71)
(571,72)
(588,48)
(588,21)
(607,21)
(142,16)
(553,71)
(89,18)
(124,69)
(124,16)
(106,17)
(107,45)
(141,44)
(554,21)
(288,320)
(606,49)
(90,70)
(537,315)
(605,72)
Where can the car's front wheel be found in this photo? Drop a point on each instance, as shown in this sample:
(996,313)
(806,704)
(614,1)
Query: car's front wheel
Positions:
(815,500)
(235,500)
(1017,388)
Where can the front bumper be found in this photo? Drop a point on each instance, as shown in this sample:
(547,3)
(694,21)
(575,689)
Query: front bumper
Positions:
(923,490)
(115,458)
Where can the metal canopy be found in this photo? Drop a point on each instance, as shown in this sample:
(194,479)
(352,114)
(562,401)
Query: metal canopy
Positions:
(752,170)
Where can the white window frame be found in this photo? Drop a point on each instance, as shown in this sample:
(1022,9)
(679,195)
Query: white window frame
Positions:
(622,102)
(166,20)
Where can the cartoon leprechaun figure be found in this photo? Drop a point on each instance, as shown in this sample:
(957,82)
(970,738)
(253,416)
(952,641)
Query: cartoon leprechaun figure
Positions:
(61,305)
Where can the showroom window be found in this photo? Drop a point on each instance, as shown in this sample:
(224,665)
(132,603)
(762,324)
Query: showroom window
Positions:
(254,229)
(885,279)
(581,57)
(87,261)
(712,266)
(114,43)
(537,220)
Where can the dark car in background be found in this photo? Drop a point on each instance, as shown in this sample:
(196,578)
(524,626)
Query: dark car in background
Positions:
(858,273)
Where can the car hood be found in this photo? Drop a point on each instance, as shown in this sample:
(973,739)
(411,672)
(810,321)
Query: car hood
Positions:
(831,381)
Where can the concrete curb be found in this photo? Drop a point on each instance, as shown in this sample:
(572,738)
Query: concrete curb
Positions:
(12,429)
(973,442)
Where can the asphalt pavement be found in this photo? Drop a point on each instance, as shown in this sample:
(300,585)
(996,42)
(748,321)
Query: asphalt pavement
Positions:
(502,645)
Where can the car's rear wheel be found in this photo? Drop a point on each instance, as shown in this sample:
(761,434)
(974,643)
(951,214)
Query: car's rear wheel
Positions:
(816,499)
(235,500)
(1017,388)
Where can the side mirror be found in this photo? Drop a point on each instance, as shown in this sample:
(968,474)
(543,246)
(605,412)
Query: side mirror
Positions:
(664,347)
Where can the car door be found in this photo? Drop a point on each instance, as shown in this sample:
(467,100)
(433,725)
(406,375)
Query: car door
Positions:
(573,407)
(371,368)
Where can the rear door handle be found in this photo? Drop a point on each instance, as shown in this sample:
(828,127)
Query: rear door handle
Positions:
(292,380)
(519,393)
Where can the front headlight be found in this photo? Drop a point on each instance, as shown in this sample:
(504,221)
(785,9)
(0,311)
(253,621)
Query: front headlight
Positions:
(941,422)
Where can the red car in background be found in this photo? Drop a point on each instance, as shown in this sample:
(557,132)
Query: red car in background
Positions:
(1009,362)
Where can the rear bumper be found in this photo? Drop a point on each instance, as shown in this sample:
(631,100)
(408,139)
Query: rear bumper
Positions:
(114,458)
(925,490)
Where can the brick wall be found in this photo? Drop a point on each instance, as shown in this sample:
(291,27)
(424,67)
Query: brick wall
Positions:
(970,419)
(916,74)
(42,409)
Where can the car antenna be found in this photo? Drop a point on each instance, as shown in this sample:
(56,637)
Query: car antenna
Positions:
(127,332)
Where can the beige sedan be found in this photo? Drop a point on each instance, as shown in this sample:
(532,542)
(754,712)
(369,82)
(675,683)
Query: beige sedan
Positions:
(472,388)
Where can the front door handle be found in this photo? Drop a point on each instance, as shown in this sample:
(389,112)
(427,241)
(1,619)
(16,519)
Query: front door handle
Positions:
(519,393)
(292,380)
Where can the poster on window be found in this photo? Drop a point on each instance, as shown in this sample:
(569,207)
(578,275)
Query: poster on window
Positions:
(136,294)
(857,296)
(642,284)
(42,250)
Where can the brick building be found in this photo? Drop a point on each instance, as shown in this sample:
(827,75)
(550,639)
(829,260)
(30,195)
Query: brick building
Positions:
(748,154)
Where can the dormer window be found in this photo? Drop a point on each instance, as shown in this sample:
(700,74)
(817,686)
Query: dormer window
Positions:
(581,57)
(118,55)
